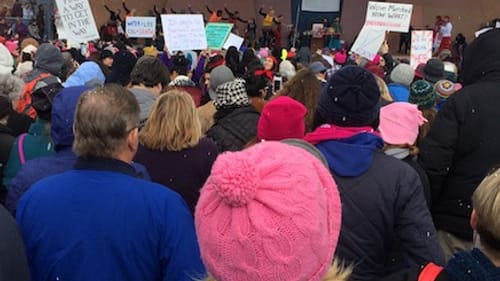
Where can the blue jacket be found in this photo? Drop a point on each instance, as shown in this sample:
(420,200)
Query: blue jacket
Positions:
(43,167)
(89,73)
(99,222)
(399,92)
(382,202)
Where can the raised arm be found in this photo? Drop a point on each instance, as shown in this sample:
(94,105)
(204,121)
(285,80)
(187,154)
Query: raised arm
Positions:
(173,11)
(156,11)
(229,13)
(125,7)
(261,12)
(209,10)
(108,9)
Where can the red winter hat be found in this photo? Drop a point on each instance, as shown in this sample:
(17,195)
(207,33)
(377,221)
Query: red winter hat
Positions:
(282,118)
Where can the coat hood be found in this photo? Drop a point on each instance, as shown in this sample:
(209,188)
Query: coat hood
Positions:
(88,74)
(63,111)
(49,59)
(482,58)
(352,156)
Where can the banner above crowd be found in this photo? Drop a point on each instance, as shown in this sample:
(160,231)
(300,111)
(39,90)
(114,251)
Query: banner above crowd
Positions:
(321,5)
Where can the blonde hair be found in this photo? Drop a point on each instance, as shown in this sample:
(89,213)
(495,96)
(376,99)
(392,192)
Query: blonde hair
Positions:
(385,95)
(336,272)
(486,203)
(173,124)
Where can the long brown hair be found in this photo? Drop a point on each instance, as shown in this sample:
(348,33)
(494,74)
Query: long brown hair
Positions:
(305,88)
(423,131)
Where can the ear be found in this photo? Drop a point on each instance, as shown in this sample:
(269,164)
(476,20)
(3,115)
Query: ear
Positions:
(133,140)
(473,220)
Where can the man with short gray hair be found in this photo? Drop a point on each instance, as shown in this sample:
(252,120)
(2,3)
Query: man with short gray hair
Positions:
(99,221)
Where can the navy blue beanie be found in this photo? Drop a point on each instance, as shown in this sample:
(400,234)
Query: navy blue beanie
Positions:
(352,98)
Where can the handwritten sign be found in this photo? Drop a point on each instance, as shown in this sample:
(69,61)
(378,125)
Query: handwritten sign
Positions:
(233,40)
(368,42)
(389,16)
(78,20)
(184,32)
(140,27)
(421,47)
(217,34)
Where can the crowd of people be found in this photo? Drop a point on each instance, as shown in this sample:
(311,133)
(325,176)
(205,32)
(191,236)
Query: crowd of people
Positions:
(128,162)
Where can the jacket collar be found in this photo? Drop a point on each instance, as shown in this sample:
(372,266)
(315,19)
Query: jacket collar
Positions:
(105,164)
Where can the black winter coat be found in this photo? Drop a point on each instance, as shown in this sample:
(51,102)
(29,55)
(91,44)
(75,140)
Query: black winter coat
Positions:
(383,208)
(464,141)
(234,129)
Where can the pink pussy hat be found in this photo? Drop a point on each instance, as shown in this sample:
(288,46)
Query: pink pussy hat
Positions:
(270,212)
(399,123)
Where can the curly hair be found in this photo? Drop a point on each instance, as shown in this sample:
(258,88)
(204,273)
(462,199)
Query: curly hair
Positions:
(11,86)
(305,88)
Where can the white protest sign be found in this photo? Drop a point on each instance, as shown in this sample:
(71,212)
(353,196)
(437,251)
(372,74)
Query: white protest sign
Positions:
(140,27)
(368,42)
(184,32)
(78,20)
(233,40)
(389,16)
(421,47)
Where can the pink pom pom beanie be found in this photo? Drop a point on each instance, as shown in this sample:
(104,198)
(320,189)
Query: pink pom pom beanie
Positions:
(399,123)
(270,212)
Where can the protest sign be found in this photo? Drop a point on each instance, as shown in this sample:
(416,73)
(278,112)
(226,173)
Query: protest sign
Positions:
(421,47)
(217,34)
(184,32)
(140,27)
(368,42)
(77,20)
(233,40)
(389,16)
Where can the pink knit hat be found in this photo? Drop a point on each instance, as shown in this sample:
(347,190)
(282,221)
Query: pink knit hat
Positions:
(270,212)
(282,118)
(399,123)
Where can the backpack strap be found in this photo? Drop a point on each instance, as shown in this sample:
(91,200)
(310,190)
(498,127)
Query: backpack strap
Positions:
(430,272)
(20,148)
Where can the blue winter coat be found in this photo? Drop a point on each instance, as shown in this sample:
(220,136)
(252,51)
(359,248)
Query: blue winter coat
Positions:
(383,206)
(99,222)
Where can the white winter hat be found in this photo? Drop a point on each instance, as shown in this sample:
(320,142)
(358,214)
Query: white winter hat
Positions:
(287,69)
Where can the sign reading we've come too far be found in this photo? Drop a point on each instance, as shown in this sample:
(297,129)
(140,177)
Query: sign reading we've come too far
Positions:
(78,20)
(389,16)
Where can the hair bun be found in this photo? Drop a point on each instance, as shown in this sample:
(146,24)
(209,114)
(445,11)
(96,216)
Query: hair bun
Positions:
(236,186)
